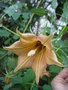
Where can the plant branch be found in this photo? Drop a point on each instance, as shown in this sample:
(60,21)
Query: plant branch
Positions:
(9,30)
(31,17)
(4,55)
(61,51)
(32,85)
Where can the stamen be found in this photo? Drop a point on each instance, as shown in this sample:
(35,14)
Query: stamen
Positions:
(31,52)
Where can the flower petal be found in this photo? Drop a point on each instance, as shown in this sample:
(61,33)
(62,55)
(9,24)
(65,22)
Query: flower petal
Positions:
(19,48)
(39,65)
(52,59)
(24,62)
(27,36)
(16,47)
(46,40)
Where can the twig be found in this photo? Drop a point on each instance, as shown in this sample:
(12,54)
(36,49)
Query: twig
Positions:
(32,84)
(9,30)
(31,17)
(4,55)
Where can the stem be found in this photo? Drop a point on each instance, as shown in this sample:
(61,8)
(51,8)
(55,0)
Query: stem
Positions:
(4,55)
(58,56)
(37,31)
(64,47)
(9,30)
(51,23)
(38,3)
(2,17)
(32,85)
(61,51)
(61,33)
(58,49)
(31,17)
(28,23)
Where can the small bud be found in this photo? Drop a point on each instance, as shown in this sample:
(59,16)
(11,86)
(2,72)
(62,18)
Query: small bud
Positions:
(7,80)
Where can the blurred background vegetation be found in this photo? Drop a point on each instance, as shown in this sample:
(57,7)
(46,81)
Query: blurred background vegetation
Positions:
(38,17)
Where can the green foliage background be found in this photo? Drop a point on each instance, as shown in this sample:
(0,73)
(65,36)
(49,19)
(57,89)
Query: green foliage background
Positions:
(23,14)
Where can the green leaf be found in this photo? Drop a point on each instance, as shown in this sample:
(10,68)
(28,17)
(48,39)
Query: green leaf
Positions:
(16,88)
(4,33)
(3,63)
(11,63)
(15,37)
(17,80)
(16,15)
(6,87)
(64,29)
(35,88)
(29,76)
(1,53)
(7,41)
(1,78)
(65,11)
(9,52)
(25,15)
(38,11)
(10,11)
(54,69)
(65,61)
(54,4)
(62,43)
(47,87)
(14,10)
(26,87)
(62,46)
(19,5)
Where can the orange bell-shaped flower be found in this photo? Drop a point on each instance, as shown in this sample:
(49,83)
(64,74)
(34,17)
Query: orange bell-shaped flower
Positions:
(34,51)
